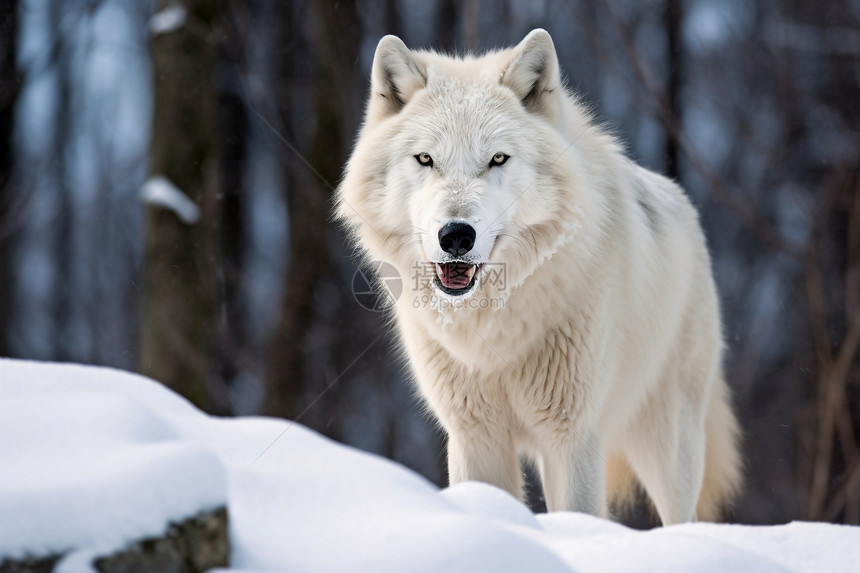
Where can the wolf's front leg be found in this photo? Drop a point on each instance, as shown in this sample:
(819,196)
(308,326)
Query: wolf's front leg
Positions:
(573,476)
(482,456)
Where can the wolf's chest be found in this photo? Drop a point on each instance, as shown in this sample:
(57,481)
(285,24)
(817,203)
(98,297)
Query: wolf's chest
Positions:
(538,385)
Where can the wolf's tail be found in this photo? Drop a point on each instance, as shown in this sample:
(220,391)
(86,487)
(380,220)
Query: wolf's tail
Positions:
(723,468)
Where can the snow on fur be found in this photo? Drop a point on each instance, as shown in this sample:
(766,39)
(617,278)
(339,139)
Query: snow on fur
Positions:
(92,458)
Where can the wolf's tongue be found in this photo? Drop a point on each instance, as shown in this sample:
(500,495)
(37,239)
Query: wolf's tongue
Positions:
(455,275)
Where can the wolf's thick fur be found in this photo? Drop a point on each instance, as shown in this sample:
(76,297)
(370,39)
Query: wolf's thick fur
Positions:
(601,351)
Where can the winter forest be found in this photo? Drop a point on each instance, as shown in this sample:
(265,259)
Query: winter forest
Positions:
(167,171)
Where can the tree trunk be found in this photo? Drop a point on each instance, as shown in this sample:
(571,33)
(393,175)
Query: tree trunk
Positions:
(180,256)
(471,24)
(672,17)
(309,203)
(10,82)
(63,284)
(445,25)
(233,128)
(391,18)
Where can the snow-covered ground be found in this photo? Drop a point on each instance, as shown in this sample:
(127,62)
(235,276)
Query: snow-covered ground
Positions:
(92,458)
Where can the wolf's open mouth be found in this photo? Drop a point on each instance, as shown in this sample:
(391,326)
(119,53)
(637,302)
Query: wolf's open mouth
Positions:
(456,278)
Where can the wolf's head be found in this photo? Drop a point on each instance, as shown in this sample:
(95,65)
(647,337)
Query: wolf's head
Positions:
(466,162)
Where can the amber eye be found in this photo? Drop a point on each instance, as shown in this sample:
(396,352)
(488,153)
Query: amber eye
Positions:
(424,159)
(499,159)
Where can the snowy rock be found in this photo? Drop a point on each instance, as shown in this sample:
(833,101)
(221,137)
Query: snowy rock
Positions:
(29,565)
(93,469)
(197,544)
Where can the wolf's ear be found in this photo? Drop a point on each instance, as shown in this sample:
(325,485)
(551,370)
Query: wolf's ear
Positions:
(532,73)
(396,76)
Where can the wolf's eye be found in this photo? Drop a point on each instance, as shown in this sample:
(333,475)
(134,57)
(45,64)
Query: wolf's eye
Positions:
(424,159)
(499,159)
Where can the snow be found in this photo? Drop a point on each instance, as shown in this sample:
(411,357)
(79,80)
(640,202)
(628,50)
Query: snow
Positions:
(92,468)
(159,190)
(167,20)
(93,458)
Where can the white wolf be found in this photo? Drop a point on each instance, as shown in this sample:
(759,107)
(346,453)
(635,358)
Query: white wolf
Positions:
(600,352)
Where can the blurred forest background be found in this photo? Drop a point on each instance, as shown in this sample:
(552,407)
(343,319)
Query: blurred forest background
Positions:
(166,171)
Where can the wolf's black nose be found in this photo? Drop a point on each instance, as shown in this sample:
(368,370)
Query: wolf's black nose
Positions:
(457,238)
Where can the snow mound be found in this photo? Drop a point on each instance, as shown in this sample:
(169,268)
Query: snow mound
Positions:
(83,448)
(92,469)
(490,502)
